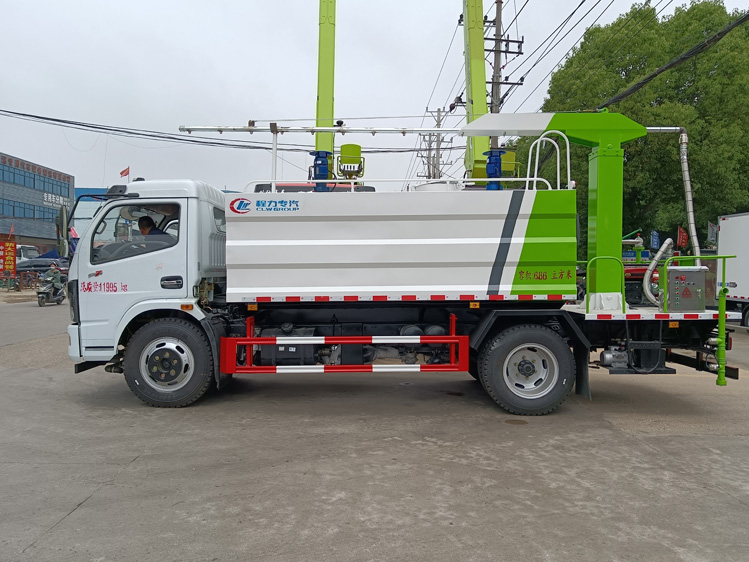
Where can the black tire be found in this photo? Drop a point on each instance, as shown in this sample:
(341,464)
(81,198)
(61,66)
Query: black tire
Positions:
(178,355)
(41,300)
(745,316)
(527,370)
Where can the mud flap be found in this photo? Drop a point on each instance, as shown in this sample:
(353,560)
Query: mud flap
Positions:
(582,384)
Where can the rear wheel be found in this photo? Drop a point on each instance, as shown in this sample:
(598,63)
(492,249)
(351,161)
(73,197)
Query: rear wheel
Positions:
(527,370)
(168,363)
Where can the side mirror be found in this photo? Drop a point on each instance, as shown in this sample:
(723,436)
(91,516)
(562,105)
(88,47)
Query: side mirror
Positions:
(62,232)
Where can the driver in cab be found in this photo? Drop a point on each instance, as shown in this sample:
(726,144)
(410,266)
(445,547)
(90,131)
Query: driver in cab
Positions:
(148,228)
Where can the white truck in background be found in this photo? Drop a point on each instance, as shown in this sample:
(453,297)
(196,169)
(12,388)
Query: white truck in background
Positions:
(732,240)
(26,252)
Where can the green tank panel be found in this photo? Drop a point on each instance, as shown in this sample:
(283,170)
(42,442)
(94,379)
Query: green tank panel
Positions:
(549,256)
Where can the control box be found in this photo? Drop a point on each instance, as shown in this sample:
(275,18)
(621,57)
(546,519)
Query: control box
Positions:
(686,288)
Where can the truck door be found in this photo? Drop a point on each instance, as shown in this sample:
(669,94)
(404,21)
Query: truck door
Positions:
(122,264)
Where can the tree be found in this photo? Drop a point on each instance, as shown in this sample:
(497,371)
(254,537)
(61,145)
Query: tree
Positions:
(707,94)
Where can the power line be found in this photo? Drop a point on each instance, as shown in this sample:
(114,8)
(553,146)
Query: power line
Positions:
(517,13)
(512,90)
(693,52)
(548,37)
(160,136)
(462,68)
(416,149)
(439,74)
(602,47)
(635,33)
(542,81)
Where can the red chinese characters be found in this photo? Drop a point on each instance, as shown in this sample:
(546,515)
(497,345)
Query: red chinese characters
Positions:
(8,258)
(102,287)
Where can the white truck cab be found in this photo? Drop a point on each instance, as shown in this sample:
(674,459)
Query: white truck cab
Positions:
(129,278)
(26,252)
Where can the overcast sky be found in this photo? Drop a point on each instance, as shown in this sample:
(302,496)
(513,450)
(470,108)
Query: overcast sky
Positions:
(159,64)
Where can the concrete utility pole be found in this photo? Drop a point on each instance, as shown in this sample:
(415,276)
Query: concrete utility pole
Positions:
(434,147)
(497,75)
(437,157)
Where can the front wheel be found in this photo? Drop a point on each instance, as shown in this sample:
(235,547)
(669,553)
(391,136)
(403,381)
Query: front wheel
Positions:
(527,370)
(41,300)
(168,363)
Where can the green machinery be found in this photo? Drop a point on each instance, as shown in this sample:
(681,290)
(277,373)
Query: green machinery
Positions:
(350,164)
(476,106)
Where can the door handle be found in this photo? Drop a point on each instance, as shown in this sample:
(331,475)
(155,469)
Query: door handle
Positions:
(172,282)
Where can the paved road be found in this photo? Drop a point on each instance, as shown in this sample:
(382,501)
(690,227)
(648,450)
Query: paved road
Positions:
(28,321)
(361,467)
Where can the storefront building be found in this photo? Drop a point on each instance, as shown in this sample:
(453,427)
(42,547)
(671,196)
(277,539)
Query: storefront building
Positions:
(30,199)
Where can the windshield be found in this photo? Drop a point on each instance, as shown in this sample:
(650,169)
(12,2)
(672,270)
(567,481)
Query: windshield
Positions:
(83,215)
(27,252)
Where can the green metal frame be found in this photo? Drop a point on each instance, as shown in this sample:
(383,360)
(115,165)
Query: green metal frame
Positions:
(603,132)
(622,281)
(721,354)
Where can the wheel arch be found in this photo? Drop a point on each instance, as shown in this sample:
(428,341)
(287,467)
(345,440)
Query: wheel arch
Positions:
(127,330)
(497,320)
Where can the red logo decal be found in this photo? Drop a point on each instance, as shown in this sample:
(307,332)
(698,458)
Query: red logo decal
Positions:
(241,206)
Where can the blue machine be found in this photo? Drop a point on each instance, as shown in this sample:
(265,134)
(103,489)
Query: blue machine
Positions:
(494,168)
(321,168)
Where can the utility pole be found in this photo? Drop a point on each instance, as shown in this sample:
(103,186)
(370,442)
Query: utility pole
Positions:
(433,158)
(437,158)
(497,74)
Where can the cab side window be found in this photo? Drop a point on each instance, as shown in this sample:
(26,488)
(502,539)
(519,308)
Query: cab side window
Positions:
(131,230)
(219,219)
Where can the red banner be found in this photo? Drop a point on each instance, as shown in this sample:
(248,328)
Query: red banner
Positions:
(8,258)
(682,239)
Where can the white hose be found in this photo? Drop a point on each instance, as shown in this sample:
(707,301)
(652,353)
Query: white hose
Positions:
(683,142)
(668,243)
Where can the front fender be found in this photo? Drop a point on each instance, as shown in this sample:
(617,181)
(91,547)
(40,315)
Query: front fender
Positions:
(154,306)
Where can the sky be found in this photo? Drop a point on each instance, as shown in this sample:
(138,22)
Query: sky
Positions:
(160,64)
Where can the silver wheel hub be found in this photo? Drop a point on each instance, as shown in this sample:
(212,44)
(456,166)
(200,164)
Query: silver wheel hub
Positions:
(166,364)
(530,371)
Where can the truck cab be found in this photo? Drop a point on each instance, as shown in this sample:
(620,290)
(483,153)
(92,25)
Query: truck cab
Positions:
(129,278)
(26,252)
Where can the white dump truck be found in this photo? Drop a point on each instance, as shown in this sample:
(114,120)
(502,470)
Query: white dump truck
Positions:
(180,286)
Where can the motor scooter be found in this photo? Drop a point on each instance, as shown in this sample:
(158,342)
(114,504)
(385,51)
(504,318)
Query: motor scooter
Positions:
(46,294)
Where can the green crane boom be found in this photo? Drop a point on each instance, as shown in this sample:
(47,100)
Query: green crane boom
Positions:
(476,106)
(325,75)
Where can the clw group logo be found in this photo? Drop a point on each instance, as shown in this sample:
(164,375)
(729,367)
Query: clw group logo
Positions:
(241,206)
